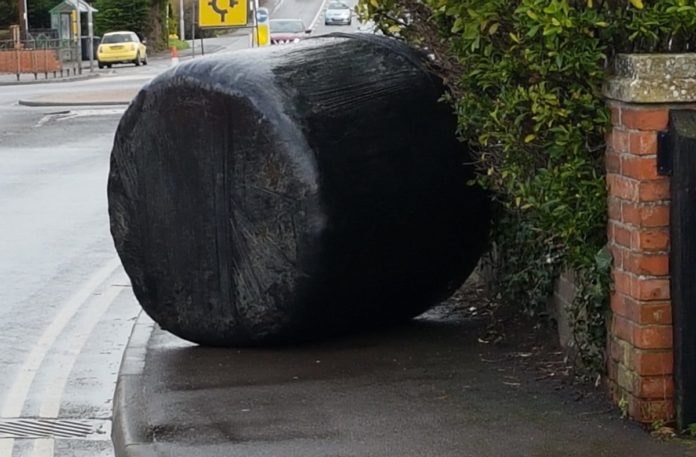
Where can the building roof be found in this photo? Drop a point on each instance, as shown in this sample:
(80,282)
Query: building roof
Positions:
(67,6)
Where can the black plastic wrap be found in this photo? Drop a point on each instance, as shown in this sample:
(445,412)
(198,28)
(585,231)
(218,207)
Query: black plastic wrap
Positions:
(293,192)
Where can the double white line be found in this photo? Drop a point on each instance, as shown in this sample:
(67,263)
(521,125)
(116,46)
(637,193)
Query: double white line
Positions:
(72,346)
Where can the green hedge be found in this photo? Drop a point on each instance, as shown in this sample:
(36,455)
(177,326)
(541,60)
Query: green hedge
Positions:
(525,80)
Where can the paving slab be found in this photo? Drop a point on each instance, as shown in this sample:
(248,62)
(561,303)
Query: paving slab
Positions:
(84,98)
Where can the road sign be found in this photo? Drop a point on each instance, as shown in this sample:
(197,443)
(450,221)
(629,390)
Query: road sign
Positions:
(263,34)
(222,13)
(262,15)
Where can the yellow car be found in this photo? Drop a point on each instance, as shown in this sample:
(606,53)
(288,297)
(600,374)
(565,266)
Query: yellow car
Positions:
(121,47)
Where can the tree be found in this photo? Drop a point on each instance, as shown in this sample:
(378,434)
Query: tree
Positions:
(38,13)
(147,18)
(8,13)
(158,31)
(121,15)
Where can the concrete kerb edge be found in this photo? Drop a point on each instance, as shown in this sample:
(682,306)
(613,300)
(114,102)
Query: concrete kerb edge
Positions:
(96,103)
(51,81)
(131,433)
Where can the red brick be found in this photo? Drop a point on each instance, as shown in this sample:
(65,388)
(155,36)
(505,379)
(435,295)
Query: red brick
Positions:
(622,187)
(625,378)
(642,143)
(615,115)
(612,369)
(642,264)
(649,289)
(614,390)
(654,387)
(617,254)
(653,215)
(612,162)
(618,140)
(641,312)
(621,350)
(622,282)
(614,208)
(649,411)
(639,167)
(618,304)
(620,235)
(621,328)
(652,336)
(651,363)
(654,190)
(652,313)
(645,119)
(616,350)
(656,240)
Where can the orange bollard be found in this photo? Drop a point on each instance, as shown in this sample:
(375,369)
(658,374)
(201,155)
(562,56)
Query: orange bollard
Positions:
(174,55)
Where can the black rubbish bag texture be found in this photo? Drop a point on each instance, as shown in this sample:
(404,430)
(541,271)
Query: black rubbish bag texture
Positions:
(280,194)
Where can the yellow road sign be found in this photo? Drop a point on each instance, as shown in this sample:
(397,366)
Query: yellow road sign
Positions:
(222,13)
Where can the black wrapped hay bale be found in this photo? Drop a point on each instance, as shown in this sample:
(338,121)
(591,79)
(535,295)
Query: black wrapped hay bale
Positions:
(292,192)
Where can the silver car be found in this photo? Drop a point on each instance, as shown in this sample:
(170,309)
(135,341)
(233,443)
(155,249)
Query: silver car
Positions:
(338,13)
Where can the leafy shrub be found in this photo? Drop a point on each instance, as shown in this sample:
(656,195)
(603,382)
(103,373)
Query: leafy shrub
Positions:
(175,42)
(525,81)
(117,15)
(147,18)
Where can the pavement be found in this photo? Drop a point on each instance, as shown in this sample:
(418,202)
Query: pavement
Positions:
(429,388)
(26,79)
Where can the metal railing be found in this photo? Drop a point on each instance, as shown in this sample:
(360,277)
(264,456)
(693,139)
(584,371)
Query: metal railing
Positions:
(43,54)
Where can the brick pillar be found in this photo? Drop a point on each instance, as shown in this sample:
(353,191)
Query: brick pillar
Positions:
(640,365)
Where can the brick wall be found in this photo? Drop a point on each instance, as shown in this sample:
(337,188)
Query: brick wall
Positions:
(640,94)
(30,61)
(640,343)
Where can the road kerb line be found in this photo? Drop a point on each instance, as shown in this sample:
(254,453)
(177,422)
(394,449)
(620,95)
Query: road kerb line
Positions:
(16,396)
(18,393)
(72,347)
(52,398)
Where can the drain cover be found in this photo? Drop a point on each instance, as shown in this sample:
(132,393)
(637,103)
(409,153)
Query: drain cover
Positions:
(55,428)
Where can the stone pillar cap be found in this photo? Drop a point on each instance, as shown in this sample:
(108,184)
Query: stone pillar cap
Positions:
(653,78)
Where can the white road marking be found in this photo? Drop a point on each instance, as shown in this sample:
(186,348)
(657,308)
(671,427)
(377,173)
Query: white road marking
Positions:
(280,3)
(90,112)
(6,447)
(17,395)
(71,347)
(44,447)
(72,114)
(316,18)
(119,78)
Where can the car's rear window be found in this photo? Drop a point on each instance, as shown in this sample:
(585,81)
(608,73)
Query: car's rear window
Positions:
(117,38)
(280,26)
(338,6)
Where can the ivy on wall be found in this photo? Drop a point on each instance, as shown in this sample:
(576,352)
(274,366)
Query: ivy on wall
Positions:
(525,81)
